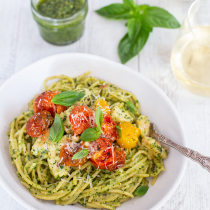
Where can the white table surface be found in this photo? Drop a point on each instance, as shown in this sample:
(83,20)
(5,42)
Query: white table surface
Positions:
(21,45)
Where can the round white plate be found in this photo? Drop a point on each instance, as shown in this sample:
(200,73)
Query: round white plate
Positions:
(17,91)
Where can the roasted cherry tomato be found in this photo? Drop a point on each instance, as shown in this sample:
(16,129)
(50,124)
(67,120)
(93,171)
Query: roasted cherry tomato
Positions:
(67,152)
(39,123)
(104,155)
(101,153)
(103,105)
(109,128)
(60,108)
(120,158)
(129,135)
(43,102)
(81,118)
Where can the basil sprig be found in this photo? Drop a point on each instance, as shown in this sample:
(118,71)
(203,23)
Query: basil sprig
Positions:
(67,98)
(56,130)
(92,134)
(116,11)
(118,130)
(132,106)
(81,154)
(99,117)
(141,190)
(140,21)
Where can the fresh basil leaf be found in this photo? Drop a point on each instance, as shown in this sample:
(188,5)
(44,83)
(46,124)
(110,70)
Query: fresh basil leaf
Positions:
(127,49)
(132,107)
(67,98)
(141,8)
(116,11)
(141,190)
(90,134)
(56,130)
(118,130)
(81,154)
(158,17)
(130,3)
(134,26)
(99,117)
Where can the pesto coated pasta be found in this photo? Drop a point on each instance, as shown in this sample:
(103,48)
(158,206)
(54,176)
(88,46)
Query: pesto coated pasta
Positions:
(43,171)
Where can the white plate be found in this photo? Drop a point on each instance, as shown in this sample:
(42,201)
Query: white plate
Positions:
(16,92)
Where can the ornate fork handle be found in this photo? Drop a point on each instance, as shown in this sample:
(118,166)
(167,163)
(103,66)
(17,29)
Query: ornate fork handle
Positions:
(204,161)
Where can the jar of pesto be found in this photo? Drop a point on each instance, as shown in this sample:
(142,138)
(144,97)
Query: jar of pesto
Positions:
(60,22)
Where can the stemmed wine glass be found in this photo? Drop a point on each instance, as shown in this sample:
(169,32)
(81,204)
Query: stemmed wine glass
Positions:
(190,59)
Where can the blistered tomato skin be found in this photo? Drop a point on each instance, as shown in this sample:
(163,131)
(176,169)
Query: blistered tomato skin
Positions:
(104,155)
(43,102)
(103,105)
(68,151)
(119,160)
(60,109)
(101,153)
(81,118)
(109,128)
(129,135)
(39,123)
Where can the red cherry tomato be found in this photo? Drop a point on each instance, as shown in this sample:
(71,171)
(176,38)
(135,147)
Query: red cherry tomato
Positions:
(81,118)
(43,102)
(67,152)
(60,109)
(39,123)
(104,155)
(109,128)
(101,153)
(119,160)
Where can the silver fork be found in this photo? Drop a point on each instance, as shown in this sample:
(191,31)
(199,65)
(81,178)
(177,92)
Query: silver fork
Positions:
(204,161)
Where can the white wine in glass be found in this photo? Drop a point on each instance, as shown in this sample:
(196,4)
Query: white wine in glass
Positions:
(190,59)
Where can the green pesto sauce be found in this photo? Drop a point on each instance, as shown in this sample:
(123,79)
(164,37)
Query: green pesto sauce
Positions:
(59,9)
(61,30)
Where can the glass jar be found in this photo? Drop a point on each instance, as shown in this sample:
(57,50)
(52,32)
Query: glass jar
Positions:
(60,31)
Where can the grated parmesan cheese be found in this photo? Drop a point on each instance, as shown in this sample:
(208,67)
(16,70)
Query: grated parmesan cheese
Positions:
(60,161)
(96,97)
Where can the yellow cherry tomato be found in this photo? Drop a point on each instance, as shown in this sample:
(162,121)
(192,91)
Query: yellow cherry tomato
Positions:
(129,135)
(103,105)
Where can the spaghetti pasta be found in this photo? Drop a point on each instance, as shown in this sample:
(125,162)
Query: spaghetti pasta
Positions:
(86,185)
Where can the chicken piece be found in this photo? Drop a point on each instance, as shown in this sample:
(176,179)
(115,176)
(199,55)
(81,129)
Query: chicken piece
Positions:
(143,124)
(120,114)
(40,147)
(154,148)
(157,153)
(65,118)
(57,169)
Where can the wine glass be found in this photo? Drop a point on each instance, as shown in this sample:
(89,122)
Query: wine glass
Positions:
(190,58)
